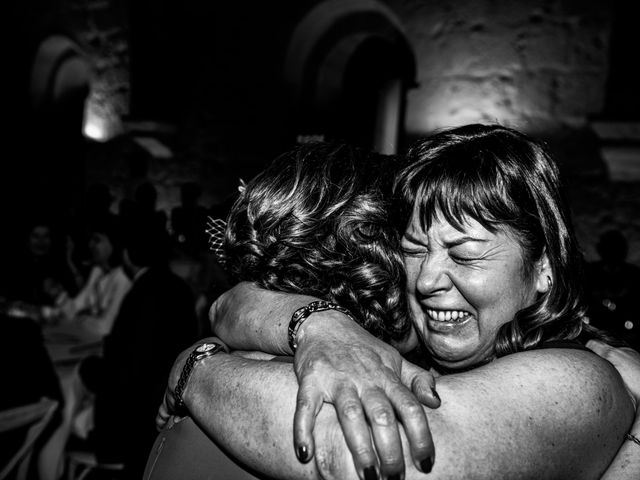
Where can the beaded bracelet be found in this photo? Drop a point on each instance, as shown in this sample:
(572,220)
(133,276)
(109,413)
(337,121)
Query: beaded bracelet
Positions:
(300,315)
(633,438)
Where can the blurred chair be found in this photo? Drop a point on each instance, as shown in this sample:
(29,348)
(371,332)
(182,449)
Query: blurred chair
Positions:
(32,418)
(82,463)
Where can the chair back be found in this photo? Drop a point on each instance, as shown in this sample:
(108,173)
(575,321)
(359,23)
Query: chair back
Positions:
(34,418)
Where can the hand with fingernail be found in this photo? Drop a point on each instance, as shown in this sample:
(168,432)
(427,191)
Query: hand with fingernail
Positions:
(372,388)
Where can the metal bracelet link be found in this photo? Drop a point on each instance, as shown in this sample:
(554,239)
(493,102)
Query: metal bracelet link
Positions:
(301,314)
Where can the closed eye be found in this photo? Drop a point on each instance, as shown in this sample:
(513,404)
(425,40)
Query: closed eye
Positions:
(413,252)
(464,260)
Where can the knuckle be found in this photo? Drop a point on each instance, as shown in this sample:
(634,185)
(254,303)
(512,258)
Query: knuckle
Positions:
(390,463)
(382,416)
(312,366)
(393,380)
(351,410)
(304,403)
(363,454)
(412,410)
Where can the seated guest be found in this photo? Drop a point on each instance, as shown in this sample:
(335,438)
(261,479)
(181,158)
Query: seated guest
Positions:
(39,270)
(156,321)
(95,307)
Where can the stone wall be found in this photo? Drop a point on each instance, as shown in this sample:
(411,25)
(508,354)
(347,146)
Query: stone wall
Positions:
(539,65)
(532,64)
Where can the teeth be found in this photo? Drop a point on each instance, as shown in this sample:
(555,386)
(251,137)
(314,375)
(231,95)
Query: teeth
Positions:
(447,315)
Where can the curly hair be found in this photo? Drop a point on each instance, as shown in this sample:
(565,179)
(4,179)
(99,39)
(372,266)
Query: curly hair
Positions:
(316,221)
(502,178)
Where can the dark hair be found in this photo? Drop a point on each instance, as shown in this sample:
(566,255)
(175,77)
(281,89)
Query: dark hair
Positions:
(316,221)
(502,178)
(147,245)
(112,229)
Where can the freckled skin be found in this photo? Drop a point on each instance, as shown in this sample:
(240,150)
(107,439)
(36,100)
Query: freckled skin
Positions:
(475,271)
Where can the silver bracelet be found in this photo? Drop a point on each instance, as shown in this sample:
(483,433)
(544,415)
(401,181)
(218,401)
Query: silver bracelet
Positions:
(633,438)
(300,315)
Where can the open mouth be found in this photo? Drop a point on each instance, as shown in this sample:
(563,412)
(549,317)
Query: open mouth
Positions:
(448,316)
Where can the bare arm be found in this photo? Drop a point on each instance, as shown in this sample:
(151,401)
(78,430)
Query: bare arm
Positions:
(541,414)
(250,318)
(247,317)
(388,389)
(626,465)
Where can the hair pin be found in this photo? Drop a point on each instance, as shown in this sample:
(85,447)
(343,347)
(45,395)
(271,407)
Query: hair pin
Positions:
(216,228)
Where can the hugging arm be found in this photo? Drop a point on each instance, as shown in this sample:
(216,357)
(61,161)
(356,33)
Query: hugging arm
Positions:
(626,465)
(539,414)
(247,317)
(387,387)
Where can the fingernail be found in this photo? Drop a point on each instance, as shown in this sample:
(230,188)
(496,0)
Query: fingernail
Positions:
(397,476)
(426,465)
(435,394)
(370,473)
(303,453)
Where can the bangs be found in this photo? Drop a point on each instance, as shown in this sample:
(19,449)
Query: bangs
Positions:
(459,190)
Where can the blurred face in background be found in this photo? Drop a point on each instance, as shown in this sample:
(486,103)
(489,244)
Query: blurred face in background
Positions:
(40,240)
(101,249)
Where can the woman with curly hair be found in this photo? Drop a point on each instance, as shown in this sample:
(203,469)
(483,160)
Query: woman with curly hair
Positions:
(488,252)
(316,221)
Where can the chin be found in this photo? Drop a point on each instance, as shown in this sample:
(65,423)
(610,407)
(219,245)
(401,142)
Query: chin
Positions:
(462,358)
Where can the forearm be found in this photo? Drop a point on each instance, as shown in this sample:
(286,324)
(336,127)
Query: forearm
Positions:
(250,318)
(505,417)
(626,465)
(247,406)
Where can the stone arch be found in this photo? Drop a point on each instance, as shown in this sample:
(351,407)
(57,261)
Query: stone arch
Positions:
(60,83)
(59,69)
(334,45)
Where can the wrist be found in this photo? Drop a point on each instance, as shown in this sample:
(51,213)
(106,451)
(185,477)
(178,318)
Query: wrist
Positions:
(317,325)
(192,364)
(200,387)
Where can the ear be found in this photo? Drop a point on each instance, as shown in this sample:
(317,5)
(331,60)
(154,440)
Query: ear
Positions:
(543,274)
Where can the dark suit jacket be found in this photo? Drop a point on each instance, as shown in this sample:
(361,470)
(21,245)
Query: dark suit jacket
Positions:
(156,322)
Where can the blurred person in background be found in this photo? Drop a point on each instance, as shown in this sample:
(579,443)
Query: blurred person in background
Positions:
(155,322)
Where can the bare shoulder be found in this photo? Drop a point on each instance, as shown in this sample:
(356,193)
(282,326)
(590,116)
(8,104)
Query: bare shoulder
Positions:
(572,368)
(556,379)
(567,406)
(538,414)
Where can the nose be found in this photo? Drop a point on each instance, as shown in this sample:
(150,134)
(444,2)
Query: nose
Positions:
(434,275)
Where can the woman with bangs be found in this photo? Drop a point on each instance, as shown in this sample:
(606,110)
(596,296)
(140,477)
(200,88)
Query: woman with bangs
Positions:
(493,292)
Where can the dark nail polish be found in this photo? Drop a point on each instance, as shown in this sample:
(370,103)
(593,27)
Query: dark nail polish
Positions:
(303,453)
(435,394)
(370,473)
(397,476)
(426,465)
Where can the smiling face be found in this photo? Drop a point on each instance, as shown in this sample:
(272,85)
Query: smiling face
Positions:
(463,285)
